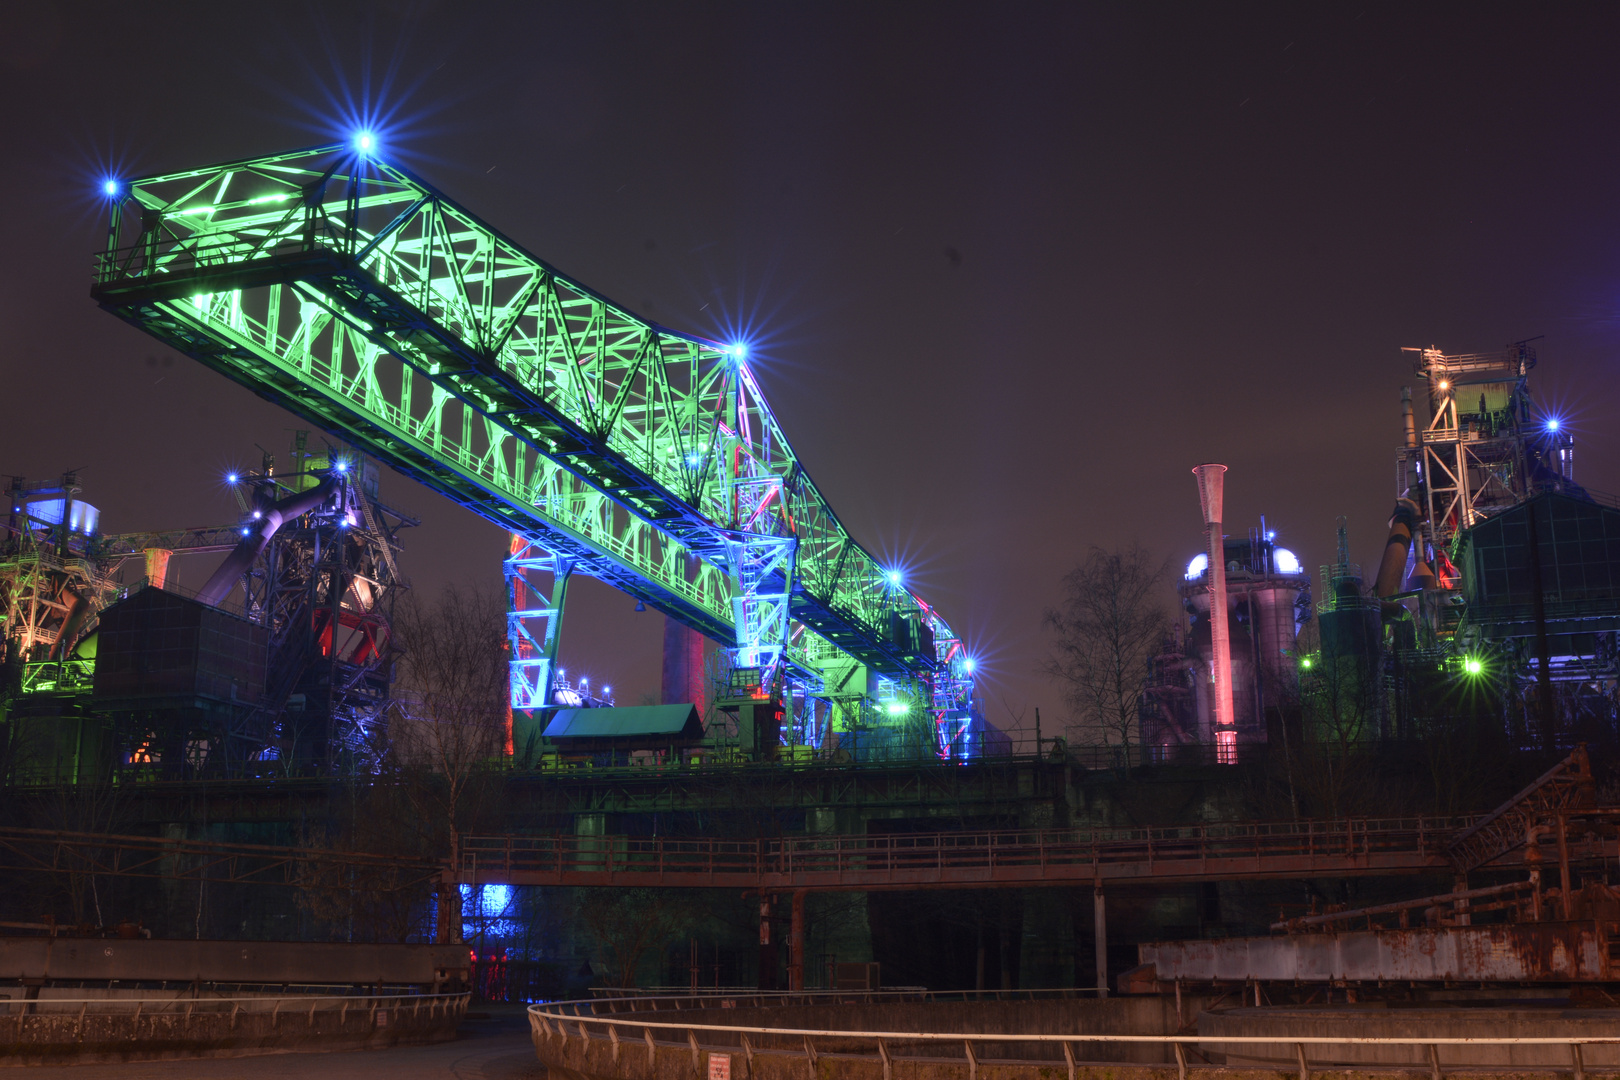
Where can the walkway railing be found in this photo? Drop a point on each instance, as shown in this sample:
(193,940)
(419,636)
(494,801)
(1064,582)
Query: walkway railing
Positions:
(562,1023)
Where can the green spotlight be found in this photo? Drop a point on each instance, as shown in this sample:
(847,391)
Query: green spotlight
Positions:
(1473,665)
(1306,663)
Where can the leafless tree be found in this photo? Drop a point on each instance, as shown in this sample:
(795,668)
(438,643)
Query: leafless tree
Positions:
(442,768)
(629,924)
(454,695)
(1104,632)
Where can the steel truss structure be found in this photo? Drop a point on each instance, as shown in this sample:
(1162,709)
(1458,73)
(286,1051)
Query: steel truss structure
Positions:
(58,571)
(1482,465)
(1484,447)
(352,293)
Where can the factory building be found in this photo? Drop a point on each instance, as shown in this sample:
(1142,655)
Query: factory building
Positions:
(1267,594)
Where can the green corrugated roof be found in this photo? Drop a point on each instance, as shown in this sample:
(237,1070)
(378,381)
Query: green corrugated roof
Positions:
(631,720)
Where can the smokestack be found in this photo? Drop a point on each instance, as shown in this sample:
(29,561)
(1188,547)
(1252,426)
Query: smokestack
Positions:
(1406,418)
(1211,489)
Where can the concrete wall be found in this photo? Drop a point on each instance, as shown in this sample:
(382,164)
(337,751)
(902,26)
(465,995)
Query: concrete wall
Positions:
(1511,952)
(252,962)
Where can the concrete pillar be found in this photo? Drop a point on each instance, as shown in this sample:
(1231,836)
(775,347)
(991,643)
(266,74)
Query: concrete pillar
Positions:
(683,675)
(796,945)
(1099,913)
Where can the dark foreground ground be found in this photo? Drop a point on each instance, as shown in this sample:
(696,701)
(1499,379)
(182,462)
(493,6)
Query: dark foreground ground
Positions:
(493,1045)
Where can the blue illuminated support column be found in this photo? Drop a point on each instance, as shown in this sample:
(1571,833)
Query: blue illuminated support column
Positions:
(953,701)
(533,634)
(761,567)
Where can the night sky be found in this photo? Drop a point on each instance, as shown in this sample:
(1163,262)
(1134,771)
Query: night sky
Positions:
(1008,271)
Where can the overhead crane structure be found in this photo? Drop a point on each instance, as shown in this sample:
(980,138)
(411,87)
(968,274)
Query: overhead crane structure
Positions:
(340,286)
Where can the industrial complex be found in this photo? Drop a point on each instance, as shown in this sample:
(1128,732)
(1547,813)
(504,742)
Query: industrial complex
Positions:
(224,763)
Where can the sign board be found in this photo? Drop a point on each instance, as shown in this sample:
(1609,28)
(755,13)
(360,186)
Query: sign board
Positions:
(719,1067)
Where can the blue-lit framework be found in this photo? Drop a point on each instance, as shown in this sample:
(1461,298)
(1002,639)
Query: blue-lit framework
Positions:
(350,292)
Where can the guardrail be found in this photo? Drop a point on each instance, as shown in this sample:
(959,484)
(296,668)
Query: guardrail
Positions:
(566,1021)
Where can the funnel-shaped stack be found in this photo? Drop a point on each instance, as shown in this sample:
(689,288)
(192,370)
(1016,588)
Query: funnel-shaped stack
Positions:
(1211,484)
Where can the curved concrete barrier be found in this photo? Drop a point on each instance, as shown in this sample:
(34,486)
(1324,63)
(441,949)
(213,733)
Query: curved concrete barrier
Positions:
(131,1027)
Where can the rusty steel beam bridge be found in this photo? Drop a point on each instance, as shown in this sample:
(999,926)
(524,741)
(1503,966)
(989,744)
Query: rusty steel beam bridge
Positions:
(217,862)
(1162,855)
(1017,858)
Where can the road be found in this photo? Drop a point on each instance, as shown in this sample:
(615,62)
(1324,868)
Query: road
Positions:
(494,1045)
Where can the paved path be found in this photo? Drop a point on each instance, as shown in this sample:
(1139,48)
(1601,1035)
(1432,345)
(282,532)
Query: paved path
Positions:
(496,1048)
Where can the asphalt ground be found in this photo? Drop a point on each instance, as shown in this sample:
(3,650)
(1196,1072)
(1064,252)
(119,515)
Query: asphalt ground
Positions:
(493,1044)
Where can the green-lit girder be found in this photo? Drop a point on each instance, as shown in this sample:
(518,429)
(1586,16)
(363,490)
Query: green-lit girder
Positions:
(356,296)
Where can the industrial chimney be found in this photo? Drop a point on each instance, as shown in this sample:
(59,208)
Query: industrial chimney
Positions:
(1211,485)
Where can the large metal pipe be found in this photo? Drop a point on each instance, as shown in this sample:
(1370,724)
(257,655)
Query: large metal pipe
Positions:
(252,546)
(1403,525)
(1407,418)
(78,615)
(1211,494)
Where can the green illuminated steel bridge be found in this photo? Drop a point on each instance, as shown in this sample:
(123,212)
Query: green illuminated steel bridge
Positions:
(350,292)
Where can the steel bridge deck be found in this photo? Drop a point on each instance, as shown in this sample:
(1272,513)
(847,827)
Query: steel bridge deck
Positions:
(966,860)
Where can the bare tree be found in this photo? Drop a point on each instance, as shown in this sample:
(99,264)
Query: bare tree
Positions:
(448,731)
(1104,632)
(628,924)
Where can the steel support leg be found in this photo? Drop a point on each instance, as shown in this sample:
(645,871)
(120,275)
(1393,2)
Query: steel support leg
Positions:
(1099,911)
(533,646)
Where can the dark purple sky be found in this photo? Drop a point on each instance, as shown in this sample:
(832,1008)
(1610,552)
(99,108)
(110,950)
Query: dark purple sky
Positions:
(1010,270)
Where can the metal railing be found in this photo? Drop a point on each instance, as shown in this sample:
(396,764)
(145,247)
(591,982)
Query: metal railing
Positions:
(564,1022)
(1260,849)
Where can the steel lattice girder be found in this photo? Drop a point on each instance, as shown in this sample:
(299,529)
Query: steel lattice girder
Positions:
(355,295)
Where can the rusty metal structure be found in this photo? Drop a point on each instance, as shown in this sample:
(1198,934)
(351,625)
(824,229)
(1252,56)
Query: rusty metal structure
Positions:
(1566,786)
(1162,856)
(1524,931)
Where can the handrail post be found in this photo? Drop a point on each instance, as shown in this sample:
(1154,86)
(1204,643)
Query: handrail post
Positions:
(1181,1061)
(1580,1064)
(1304,1070)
